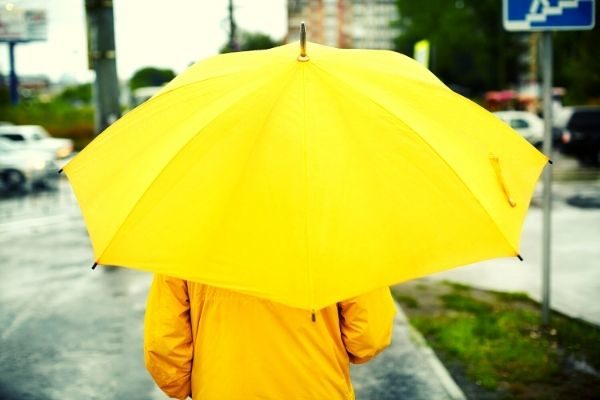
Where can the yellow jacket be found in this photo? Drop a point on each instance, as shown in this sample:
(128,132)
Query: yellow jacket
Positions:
(217,344)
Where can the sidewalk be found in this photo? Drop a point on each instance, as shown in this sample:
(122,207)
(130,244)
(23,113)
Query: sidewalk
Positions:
(407,370)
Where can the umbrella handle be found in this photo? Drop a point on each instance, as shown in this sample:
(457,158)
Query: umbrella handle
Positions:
(303,57)
(496,164)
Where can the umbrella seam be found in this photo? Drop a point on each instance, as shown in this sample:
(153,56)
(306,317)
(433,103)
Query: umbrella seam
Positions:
(309,276)
(384,108)
(117,231)
(232,195)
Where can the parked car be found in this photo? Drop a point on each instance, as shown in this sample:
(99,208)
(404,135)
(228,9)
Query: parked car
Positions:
(35,137)
(25,169)
(579,129)
(527,124)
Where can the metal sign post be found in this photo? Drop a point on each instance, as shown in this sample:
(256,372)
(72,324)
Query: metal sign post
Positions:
(547,16)
(546,56)
(19,26)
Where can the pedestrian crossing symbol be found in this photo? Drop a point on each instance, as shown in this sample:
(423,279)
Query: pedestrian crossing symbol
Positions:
(546,15)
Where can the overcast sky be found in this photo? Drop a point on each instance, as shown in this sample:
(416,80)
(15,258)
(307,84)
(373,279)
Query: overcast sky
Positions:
(162,33)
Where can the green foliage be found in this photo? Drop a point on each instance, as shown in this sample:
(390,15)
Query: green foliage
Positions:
(469,46)
(4,95)
(577,65)
(78,94)
(60,118)
(252,41)
(150,76)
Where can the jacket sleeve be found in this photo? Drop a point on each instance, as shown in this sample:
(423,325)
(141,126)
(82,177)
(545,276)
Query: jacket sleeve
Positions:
(168,343)
(366,324)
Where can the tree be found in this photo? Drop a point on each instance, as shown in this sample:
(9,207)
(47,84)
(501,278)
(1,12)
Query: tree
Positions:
(150,76)
(77,94)
(577,65)
(252,41)
(470,48)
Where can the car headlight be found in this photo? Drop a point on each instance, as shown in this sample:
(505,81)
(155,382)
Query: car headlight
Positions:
(63,152)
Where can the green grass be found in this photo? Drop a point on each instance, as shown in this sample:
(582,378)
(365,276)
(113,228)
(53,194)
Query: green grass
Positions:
(457,287)
(461,302)
(407,301)
(512,296)
(496,337)
(493,345)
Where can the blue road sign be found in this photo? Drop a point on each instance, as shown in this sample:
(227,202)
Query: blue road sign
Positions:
(548,15)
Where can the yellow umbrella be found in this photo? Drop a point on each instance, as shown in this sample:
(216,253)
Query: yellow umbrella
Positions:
(305,179)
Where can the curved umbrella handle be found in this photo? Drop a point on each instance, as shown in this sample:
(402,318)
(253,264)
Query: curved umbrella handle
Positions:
(495,160)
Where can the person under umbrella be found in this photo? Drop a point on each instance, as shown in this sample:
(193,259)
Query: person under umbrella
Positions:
(211,343)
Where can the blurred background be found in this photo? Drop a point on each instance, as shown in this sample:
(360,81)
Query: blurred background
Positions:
(69,68)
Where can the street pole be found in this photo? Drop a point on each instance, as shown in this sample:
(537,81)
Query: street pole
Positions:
(546,53)
(13,81)
(102,59)
(233,46)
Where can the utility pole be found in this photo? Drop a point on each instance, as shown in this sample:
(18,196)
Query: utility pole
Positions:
(102,59)
(233,45)
(13,81)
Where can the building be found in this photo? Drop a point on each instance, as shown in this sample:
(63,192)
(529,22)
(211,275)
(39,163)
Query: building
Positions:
(345,23)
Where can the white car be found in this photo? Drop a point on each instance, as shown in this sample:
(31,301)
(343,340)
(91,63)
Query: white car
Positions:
(24,169)
(35,137)
(527,124)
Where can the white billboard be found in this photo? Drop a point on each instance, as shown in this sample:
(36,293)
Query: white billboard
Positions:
(19,25)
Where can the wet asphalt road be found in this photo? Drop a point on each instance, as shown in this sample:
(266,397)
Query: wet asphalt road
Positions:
(67,332)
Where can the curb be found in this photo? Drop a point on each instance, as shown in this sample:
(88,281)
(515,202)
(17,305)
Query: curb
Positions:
(452,389)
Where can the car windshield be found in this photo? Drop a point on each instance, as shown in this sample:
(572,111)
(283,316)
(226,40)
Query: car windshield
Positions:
(16,137)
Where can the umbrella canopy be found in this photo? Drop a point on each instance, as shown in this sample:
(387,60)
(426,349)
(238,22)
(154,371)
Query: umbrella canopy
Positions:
(305,180)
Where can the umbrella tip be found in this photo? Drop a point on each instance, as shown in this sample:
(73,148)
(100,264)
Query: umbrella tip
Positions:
(303,56)
(519,257)
(95,265)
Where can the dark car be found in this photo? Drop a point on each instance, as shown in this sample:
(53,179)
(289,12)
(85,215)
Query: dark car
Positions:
(579,130)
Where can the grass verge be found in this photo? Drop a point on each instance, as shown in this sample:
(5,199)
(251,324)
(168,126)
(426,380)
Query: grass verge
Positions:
(494,346)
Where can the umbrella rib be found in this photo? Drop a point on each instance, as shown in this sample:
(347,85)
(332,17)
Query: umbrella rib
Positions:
(386,110)
(137,202)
